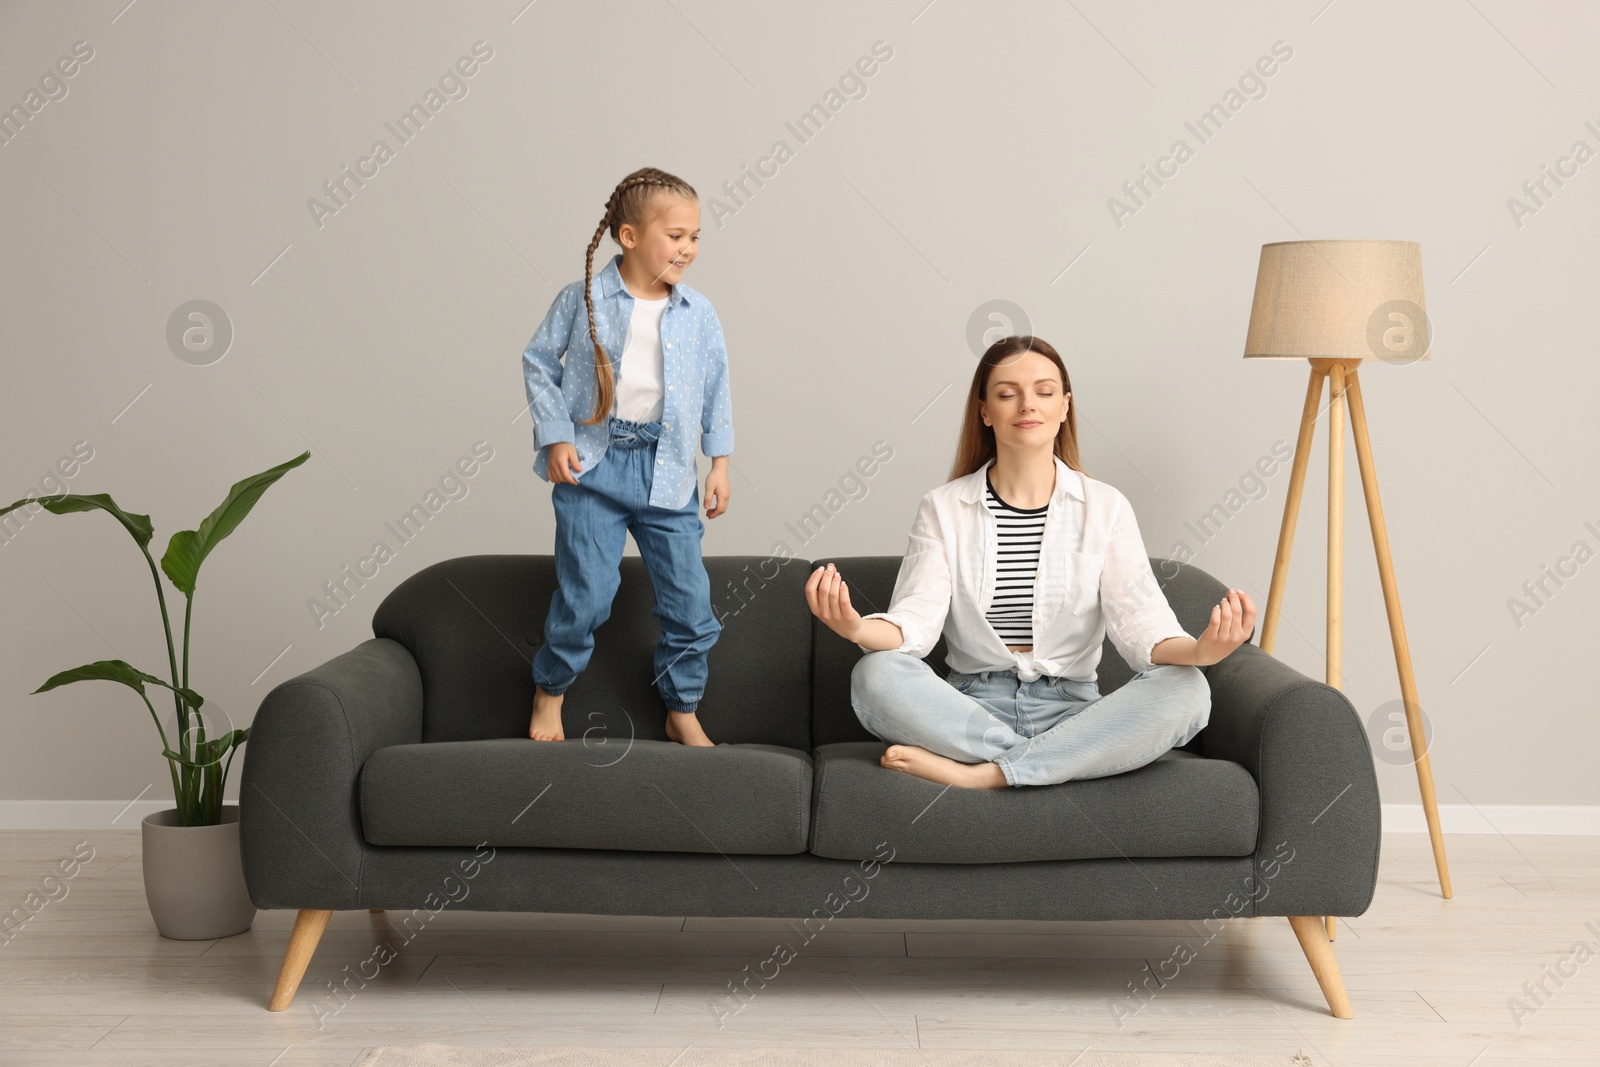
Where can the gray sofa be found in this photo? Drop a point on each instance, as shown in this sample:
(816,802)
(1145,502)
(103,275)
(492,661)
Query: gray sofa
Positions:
(372,777)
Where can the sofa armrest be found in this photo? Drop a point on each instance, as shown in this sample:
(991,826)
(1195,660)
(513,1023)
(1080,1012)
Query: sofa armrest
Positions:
(1304,743)
(299,816)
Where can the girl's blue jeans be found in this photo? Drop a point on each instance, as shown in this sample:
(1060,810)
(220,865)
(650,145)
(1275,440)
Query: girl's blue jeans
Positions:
(593,518)
(1041,732)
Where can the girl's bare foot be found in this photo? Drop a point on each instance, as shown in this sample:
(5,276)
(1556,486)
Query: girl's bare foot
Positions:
(546,724)
(937,768)
(684,728)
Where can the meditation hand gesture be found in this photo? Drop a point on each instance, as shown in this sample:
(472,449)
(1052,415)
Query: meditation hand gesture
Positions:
(830,601)
(1231,622)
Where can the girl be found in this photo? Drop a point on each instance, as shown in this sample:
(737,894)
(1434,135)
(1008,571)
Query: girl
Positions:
(616,439)
(1025,563)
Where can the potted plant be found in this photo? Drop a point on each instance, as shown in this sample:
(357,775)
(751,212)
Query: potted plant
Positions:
(193,877)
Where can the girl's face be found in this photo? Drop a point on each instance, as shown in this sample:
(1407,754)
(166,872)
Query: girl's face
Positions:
(669,241)
(1026,403)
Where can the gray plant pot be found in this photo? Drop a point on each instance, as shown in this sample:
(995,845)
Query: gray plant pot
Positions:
(194,878)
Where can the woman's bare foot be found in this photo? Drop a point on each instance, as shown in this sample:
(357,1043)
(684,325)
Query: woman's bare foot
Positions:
(684,728)
(937,768)
(546,724)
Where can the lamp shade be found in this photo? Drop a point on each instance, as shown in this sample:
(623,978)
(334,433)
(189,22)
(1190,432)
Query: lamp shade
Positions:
(1339,300)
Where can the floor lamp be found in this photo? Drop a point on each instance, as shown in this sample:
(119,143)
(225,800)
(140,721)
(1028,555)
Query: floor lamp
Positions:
(1339,304)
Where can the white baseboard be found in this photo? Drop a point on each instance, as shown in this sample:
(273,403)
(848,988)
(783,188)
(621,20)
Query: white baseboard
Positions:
(1576,819)
(77,814)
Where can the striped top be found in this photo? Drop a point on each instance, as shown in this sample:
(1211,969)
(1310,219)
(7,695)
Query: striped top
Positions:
(1020,533)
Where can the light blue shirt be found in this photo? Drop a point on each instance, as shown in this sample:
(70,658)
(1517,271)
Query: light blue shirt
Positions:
(694,368)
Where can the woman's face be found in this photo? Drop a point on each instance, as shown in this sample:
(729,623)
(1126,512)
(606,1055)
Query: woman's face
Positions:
(1025,401)
(669,241)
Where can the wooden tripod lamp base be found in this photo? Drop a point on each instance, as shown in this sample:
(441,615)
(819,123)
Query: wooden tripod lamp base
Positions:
(1339,304)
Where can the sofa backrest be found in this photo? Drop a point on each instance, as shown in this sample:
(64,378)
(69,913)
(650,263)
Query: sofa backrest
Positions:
(778,676)
(474,623)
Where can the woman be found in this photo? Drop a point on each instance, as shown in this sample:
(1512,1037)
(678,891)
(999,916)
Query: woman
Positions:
(1024,563)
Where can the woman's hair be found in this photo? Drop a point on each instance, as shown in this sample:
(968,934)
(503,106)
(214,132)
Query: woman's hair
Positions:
(633,202)
(976,447)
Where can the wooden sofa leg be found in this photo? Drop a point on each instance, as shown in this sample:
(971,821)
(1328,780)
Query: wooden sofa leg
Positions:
(1333,927)
(1313,937)
(308,927)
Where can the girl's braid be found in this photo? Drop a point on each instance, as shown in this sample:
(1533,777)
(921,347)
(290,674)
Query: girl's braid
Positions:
(626,204)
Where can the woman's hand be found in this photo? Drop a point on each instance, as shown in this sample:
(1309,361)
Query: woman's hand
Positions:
(830,601)
(1231,622)
(564,463)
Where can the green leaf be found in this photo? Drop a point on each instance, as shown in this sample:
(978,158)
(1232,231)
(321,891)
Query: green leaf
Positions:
(209,753)
(115,670)
(189,548)
(138,525)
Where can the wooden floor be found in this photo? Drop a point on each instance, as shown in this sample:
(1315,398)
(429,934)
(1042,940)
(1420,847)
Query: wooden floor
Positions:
(88,981)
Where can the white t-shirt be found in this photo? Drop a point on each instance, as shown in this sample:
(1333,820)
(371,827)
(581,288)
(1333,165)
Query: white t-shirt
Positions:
(641,383)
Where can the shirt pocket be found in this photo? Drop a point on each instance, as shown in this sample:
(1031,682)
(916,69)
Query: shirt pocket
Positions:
(1083,583)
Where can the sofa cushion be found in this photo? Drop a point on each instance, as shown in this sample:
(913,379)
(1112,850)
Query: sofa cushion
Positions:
(654,796)
(1179,805)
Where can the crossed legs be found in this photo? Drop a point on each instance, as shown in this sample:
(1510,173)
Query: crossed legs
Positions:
(940,733)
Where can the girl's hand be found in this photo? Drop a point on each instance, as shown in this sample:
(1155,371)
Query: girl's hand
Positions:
(564,463)
(1231,622)
(717,490)
(830,601)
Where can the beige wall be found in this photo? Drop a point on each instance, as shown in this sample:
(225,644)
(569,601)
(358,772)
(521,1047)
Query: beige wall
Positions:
(976,166)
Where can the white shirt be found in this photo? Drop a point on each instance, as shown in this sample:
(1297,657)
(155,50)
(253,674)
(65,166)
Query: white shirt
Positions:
(641,384)
(1094,579)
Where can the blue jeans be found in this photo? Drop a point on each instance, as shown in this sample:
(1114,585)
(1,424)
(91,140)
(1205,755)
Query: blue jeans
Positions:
(1041,732)
(593,518)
